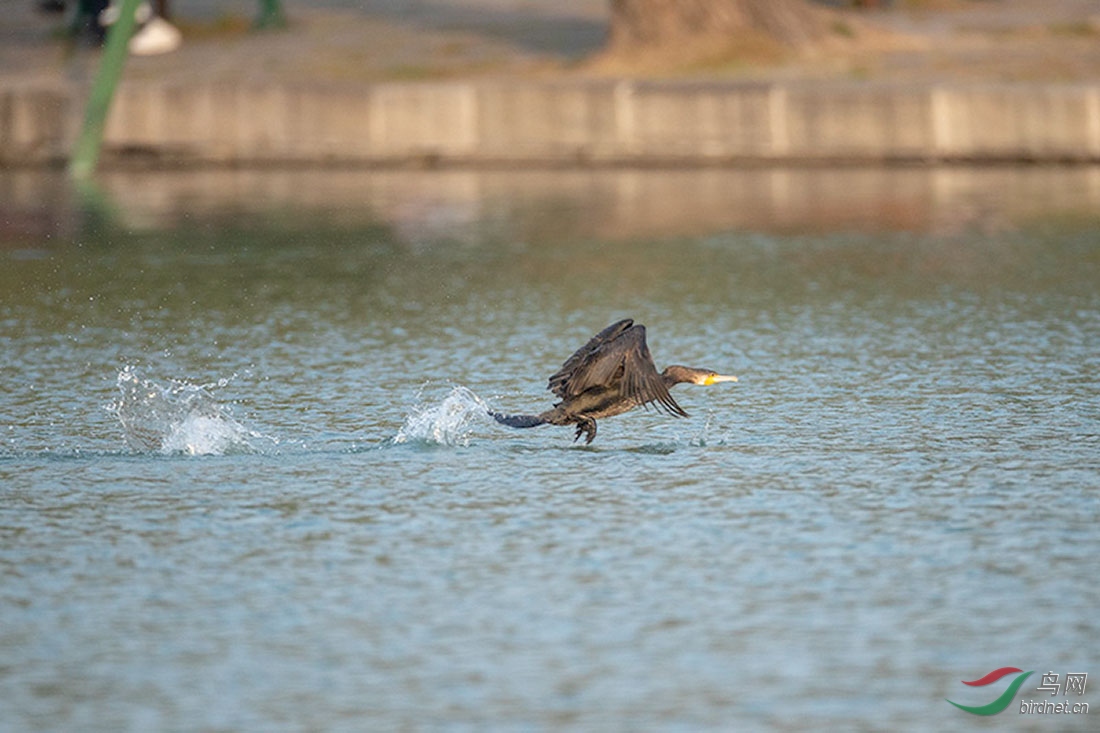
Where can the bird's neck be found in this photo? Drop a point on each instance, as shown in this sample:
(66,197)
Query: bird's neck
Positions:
(675,374)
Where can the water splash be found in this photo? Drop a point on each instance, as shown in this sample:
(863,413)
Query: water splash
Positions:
(449,422)
(180,417)
(709,433)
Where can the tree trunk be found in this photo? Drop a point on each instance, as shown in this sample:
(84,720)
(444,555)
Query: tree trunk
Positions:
(637,24)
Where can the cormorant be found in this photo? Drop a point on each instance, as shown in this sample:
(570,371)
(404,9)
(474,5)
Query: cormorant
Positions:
(609,375)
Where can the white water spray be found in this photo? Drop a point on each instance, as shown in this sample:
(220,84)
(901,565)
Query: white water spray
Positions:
(180,418)
(449,422)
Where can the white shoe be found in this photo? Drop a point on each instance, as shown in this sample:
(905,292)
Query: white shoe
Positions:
(156,36)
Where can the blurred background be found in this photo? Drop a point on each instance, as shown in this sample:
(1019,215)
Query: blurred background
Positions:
(371,40)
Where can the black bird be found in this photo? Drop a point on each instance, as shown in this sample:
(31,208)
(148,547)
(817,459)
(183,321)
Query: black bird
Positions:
(609,375)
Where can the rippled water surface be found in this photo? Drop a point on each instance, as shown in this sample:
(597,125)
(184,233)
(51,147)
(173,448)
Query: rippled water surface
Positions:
(248,481)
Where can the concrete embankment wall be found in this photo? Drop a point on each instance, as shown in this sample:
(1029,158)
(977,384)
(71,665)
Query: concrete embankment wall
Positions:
(566,122)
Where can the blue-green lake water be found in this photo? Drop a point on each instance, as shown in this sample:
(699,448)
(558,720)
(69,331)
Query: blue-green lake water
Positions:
(247,480)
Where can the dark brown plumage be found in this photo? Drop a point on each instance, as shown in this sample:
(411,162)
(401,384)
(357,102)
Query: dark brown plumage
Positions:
(612,373)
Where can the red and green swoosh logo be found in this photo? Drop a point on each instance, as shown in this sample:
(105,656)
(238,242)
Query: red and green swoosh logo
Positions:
(1001,702)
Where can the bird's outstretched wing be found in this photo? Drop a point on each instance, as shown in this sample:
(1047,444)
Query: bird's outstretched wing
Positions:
(616,357)
(641,380)
(578,367)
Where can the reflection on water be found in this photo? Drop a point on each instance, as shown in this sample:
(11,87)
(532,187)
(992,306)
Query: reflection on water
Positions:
(421,206)
(248,481)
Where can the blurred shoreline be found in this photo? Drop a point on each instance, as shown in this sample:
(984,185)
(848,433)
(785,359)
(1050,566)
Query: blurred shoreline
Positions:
(503,82)
(376,41)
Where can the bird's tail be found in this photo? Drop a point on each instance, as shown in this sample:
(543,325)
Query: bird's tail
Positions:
(518,421)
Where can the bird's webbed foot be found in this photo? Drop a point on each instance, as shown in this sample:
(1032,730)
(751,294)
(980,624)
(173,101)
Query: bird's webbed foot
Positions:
(586,426)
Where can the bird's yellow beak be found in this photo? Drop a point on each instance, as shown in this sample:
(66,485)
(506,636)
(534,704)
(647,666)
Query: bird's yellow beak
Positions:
(716,378)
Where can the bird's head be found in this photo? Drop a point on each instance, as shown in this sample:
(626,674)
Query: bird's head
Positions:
(677,374)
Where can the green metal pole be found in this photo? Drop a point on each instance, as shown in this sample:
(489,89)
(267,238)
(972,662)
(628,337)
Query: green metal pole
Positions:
(86,152)
(271,15)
